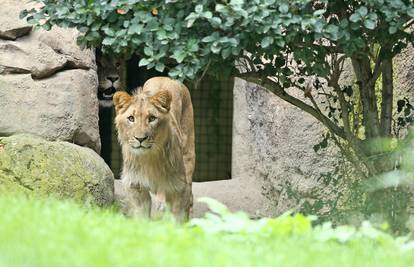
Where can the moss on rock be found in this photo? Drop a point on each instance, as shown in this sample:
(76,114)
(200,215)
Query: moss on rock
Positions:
(34,166)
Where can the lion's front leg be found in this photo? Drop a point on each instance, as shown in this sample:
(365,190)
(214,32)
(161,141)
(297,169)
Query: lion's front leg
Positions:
(180,203)
(138,201)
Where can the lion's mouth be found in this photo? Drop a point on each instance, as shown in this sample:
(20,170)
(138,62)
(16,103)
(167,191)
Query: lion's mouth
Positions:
(106,94)
(140,147)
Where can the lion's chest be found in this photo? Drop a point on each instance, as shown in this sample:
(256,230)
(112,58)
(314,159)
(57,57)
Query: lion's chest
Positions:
(155,175)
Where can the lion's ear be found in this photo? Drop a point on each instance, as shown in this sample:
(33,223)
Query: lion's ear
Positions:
(162,100)
(121,100)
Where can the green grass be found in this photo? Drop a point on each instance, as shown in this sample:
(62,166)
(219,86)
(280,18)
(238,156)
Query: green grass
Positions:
(55,233)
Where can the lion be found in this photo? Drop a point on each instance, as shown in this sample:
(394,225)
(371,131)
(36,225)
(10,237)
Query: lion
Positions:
(156,132)
(109,69)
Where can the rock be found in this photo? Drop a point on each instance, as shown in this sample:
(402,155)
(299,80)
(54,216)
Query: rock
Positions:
(238,194)
(34,166)
(62,107)
(43,53)
(15,33)
(48,84)
(404,74)
(63,42)
(273,144)
(32,57)
(11,26)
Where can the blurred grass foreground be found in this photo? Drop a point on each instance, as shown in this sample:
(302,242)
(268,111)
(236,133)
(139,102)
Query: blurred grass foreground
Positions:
(55,233)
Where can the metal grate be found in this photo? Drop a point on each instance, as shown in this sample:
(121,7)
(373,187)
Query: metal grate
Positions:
(213,116)
(116,156)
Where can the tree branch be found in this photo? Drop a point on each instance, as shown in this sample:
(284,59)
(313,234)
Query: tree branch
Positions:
(377,68)
(337,68)
(409,24)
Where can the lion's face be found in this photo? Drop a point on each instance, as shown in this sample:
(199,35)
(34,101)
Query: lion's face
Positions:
(109,78)
(142,120)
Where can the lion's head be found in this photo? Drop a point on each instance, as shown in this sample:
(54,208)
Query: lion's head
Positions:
(108,76)
(142,120)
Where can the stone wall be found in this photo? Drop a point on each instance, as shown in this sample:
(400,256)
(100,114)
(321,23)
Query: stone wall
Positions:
(273,143)
(47,83)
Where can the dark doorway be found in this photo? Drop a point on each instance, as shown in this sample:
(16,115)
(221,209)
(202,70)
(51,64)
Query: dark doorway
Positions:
(213,117)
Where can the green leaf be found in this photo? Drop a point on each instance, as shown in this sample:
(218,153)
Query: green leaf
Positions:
(191,19)
(192,45)
(392,29)
(46,27)
(362,11)
(148,51)
(199,8)
(109,31)
(215,21)
(319,12)
(144,62)
(179,55)
(159,67)
(108,41)
(83,29)
(208,15)
(214,205)
(135,28)
(215,48)
(331,32)
(410,12)
(209,39)
(369,24)
(280,42)
(355,17)
(284,8)
(266,41)
(221,8)
(190,22)
(236,2)
(161,35)
(23,14)
(225,53)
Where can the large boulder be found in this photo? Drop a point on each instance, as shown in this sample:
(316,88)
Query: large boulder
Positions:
(34,166)
(62,107)
(48,84)
(273,145)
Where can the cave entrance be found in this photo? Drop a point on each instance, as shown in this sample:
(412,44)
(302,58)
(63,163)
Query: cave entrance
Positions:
(213,117)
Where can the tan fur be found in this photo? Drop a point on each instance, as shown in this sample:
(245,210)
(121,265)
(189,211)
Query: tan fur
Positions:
(158,155)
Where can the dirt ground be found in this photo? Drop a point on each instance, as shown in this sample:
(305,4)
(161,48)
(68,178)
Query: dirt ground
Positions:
(236,195)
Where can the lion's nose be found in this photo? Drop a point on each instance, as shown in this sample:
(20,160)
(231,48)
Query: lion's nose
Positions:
(113,78)
(141,139)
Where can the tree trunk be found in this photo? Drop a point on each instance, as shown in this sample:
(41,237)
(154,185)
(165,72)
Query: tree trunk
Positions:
(363,74)
(387,97)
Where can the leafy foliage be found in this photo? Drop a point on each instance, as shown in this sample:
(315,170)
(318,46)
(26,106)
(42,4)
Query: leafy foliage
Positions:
(405,117)
(52,233)
(196,33)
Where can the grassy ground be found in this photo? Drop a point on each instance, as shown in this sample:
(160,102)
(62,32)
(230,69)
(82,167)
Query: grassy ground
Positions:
(52,233)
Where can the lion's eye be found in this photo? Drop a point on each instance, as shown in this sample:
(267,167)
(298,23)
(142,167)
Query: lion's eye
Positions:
(152,118)
(131,118)
(117,64)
